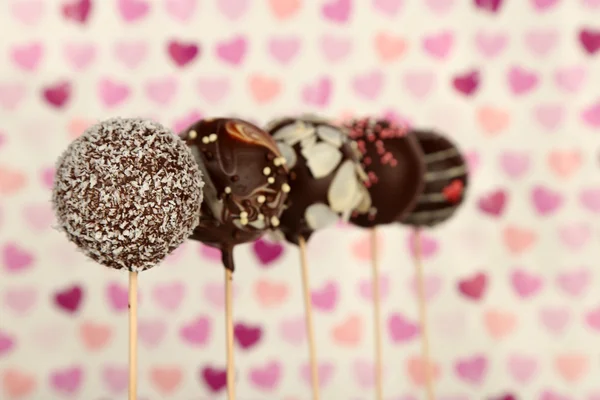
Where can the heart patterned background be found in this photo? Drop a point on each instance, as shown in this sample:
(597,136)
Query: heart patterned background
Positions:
(512,281)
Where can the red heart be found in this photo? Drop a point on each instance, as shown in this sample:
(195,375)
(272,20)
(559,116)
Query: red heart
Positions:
(453,192)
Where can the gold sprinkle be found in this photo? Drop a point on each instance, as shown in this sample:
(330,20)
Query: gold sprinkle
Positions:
(212,137)
(261,199)
(205,139)
(267,171)
(260,217)
(274,221)
(271,180)
(285,188)
(193,134)
(227,189)
(277,162)
(244,221)
(244,215)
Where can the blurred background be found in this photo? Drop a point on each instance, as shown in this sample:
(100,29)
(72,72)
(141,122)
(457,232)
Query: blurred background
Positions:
(512,279)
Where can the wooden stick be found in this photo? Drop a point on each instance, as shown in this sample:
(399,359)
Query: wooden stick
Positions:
(229,333)
(133,296)
(314,368)
(376,316)
(422,304)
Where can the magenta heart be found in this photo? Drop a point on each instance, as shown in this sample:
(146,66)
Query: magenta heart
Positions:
(57,95)
(214,378)
(196,333)
(182,53)
(247,336)
(544,5)
(266,377)
(590,40)
(522,81)
(68,380)
(78,10)
(132,10)
(545,200)
(466,83)
(337,10)
(7,343)
(429,245)
(284,49)
(117,296)
(493,203)
(439,45)
(28,56)
(592,318)
(472,370)
(492,6)
(526,284)
(232,51)
(69,299)
(16,259)
(401,330)
(325,298)
(267,252)
(591,115)
(473,287)
(319,93)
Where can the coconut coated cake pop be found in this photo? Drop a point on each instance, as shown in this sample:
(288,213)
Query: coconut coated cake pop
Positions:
(246,182)
(394,164)
(446,180)
(127,192)
(326,178)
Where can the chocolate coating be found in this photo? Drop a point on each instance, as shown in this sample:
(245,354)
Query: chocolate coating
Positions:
(446,179)
(246,182)
(393,161)
(326,178)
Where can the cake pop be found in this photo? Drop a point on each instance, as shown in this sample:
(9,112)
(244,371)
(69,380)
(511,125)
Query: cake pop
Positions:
(246,182)
(446,180)
(325,175)
(394,164)
(127,193)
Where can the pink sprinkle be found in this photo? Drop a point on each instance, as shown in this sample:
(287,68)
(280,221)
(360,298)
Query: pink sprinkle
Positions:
(380,150)
(387,157)
(393,162)
(372,177)
(367,161)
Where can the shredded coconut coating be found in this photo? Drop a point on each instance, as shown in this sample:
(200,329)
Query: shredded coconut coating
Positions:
(127,192)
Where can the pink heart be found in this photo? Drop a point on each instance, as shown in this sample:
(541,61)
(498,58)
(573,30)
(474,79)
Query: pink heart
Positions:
(39,217)
(11,94)
(293,330)
(440,6)
(419,83)
(161,91)
(337,11)
(47,177)
(522,81)
(197,332)
(318,93)
(593,319)
(364,373)
(133,10)
(213,90)
(115,378)
(402,330)
(472,370)
(151,332)
(117,296)
(233,9)
(590,199)
(575,235)
(112,93)
(266,377)
(182,53)
(325,371)
(27,57)
(365,288)
(429,245)
(176,255)
(325,298)
(214,293)
(490,45)
(388,7)
(20,299)
(574,283)
(591,115)
(514,163)
(130,53)
(181,10)
(29,12)
(7,343)
(526,284)
(570,79)
(58,94)
(549,116)
(544,5)
(493,203)
(439,45)
(16,259)
(593,4)
(181,124)
(79,55)
(541,42)
(67,380)
(432,285)
(232,51)
(169,296)
(369,85)
(473,161)
(555,319)
(522,368)
(284,49)
(545,200)
(335,48)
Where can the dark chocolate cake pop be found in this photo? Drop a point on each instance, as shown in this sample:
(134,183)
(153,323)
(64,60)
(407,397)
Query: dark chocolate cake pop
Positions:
(326,178)
(127,192)
(394,164)
(246,182)
(446,180)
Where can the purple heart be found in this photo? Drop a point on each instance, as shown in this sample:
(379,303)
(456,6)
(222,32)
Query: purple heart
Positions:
(267,252)
(247,336)
(467,83)
(215,379)
(489,5)
(69,300)
(590,40)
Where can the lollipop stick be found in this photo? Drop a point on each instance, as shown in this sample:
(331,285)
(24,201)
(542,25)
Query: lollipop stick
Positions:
(314,371)
(133,335)
(229,330)
(422,303)
(376,316)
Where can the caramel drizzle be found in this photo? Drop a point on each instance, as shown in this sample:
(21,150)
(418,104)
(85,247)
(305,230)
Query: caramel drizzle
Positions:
(248,134)
(441,155)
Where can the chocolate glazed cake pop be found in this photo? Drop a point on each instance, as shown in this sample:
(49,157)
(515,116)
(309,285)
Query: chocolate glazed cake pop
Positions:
(326,178)
(127,192)
(246,182)
(446,179)
(393,161)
